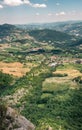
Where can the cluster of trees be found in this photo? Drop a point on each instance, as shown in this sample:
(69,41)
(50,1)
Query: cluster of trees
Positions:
(6,80)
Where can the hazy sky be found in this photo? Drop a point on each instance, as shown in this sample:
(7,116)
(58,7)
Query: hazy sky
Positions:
(34,11)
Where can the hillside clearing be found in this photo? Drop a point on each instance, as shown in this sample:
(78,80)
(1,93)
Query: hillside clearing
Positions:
(72,73)
(15,69)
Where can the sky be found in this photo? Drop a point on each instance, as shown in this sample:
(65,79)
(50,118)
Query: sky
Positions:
(39,11)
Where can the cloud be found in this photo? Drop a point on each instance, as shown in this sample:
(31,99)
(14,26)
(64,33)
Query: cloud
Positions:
(39,5)
(20,2)
(37,14)
(60,14)
(1,6)
(50,14)
(57,4)
(27,2)
(13,2)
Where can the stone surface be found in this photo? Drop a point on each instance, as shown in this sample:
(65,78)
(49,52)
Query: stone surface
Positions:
(15,121)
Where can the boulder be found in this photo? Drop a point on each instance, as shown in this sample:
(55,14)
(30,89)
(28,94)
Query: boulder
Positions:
(15,121)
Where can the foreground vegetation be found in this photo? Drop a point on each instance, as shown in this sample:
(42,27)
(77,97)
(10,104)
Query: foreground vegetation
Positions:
(49,90)
(48,103)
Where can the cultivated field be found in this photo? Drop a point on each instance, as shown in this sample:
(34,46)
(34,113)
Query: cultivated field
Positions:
(16,69)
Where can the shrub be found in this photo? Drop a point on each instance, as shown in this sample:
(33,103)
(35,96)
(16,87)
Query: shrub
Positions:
(78,79)
(60,75)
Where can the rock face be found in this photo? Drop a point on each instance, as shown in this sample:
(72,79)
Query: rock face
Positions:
(14,121)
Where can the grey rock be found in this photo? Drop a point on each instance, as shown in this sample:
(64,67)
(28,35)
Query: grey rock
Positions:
(17,122)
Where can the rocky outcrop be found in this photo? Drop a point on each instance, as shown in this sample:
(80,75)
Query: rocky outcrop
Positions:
(14,121)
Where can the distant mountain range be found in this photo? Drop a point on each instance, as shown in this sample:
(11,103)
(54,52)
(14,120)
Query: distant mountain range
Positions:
(61,34)
(70,27)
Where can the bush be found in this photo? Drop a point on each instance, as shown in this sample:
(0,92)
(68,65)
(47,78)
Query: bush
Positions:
(78,79)
(80,71)
(60,75)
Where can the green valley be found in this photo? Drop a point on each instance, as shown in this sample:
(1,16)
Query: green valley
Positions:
(41,76)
